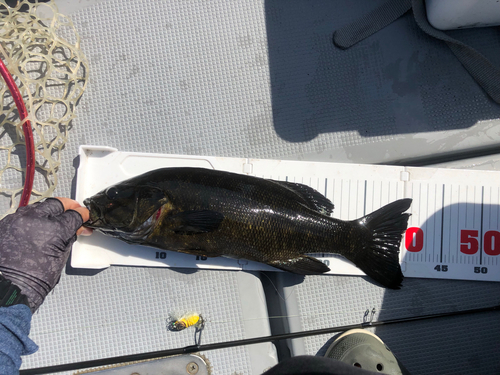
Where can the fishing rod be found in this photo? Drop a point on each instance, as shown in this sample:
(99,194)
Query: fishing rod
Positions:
(230,344)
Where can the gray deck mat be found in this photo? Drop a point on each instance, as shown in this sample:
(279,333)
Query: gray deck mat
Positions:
(453,345)
(125,310)
(262,79)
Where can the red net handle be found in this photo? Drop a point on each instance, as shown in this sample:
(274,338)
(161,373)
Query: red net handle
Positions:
(28,135)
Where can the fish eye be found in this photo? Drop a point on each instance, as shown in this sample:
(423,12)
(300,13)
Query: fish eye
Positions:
(112,193)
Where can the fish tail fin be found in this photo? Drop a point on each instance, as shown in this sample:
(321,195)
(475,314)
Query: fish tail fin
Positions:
(378,255)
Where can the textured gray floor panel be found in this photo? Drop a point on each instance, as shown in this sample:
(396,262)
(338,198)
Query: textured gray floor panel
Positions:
(122,310)
(454,345)
(262,79)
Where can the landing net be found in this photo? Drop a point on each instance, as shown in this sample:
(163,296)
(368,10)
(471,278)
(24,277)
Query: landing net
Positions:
(41,49)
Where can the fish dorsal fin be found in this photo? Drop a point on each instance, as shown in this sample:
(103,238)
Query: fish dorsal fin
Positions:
(195,222)
(313,199)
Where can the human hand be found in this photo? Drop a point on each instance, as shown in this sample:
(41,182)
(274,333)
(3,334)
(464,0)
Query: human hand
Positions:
(35,243)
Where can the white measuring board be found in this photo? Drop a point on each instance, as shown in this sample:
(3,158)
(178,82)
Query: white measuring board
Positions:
(453,233)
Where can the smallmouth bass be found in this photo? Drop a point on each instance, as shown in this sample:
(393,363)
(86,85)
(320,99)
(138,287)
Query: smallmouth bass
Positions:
(215,213)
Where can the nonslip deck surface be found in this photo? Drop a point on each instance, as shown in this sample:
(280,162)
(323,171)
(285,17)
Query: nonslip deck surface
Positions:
(262,79)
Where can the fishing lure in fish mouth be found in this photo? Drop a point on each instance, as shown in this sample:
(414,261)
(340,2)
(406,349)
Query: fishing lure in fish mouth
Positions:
(187,320)
(215,213)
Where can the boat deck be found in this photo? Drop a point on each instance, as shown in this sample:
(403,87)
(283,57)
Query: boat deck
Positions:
(262,79)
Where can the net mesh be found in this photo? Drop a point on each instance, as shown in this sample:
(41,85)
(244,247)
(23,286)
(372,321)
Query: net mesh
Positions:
(42,52)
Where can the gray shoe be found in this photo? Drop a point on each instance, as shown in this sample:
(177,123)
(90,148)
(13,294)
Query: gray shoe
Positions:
(363,349)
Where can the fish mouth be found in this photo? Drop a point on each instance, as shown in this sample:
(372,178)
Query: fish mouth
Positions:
(141,232)
(95,220)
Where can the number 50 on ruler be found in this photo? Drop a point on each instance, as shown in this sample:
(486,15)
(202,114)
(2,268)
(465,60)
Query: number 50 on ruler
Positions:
(469,241)
(466,256)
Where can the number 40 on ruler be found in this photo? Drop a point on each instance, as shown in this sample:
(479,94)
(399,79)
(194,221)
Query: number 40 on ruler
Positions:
(469,241)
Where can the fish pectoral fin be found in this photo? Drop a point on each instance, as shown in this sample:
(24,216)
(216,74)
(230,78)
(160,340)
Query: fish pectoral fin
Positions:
(304,265)
(313,198)
(195,222)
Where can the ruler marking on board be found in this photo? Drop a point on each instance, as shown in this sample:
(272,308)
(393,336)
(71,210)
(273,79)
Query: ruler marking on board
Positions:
(358,187)
(419,256)
(364,201)
(481,230)
(341,193)
(432,239)
(349,200)
(436,228)
(498,218)
(442,226)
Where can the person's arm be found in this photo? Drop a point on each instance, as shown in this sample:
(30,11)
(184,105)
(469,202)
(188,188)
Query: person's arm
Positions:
(15,324)
(35,243)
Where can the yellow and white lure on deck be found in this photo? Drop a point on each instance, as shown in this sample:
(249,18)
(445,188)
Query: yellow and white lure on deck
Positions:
(187,320)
